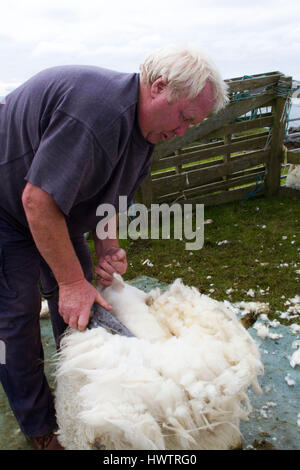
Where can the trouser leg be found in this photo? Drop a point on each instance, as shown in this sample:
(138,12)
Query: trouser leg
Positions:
(22,374)
(49,286)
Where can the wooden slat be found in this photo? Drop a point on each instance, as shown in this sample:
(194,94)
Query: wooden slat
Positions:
(224,117)
(248,171)
(209,152)
(225,196)
(191,179)
(274,164)
(208,146)
(261,122)
(161,174)
(254,76)
(197,166)
(194,166)
(226,158)
(212,187)
(237,179)
(266,120)
(253,83)
(197,147)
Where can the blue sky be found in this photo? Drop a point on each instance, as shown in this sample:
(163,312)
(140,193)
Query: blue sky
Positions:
(241,39)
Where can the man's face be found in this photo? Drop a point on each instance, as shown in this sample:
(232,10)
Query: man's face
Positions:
(169,119)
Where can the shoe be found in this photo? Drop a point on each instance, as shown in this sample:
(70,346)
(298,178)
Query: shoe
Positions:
(48,442)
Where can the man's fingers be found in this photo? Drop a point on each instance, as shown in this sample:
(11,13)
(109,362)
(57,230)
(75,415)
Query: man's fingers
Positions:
(103,274)
(121,268)
(107,265)
(75,303)
(119,255)
(73,322)
(83,320)
(114,261)
(103,302)
(117,261)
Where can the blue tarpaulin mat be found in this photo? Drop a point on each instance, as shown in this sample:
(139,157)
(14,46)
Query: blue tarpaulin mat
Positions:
(276,412)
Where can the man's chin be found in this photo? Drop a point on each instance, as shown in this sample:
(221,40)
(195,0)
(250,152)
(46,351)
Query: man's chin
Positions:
(153,140)
(156,138)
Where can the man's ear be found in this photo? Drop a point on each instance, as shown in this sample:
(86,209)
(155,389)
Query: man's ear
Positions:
(158,87)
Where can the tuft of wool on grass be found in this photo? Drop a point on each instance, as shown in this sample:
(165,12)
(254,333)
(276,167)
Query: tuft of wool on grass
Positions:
(180,383)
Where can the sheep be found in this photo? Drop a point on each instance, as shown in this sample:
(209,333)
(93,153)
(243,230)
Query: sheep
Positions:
(293,177)
(180,383)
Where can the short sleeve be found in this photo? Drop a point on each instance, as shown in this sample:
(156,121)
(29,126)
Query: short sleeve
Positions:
(64,161)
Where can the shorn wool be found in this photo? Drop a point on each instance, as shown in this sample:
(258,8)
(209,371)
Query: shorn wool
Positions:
(180,383)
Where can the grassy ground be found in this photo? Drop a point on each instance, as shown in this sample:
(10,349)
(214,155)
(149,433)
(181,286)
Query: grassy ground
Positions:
(261,252)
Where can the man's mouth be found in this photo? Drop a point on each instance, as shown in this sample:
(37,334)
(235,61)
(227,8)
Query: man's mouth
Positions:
(164,136)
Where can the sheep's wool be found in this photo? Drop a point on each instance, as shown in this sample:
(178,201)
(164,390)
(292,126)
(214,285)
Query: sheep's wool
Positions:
(293,177)
(181,383)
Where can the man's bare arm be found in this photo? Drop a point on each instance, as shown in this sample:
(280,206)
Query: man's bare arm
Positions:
(50,233)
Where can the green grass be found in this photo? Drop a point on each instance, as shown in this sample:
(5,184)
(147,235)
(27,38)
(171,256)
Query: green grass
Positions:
(257,255)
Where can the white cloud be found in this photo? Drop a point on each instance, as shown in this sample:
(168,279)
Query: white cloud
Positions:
(7,87)
(48,48)
(241,39)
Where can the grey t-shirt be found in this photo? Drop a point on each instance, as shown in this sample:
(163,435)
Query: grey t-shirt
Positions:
(73,132)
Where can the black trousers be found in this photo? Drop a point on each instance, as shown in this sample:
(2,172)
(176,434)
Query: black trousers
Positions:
(21,362)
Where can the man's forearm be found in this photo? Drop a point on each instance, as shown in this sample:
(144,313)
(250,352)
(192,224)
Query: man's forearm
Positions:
(49,230)
(103,246)
(111,258)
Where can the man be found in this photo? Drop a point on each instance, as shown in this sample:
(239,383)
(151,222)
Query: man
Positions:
(72,138)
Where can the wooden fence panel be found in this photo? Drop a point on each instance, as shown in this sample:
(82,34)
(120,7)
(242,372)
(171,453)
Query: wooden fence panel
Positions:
(211,188)
(185,180)
(211,151)
(212,163)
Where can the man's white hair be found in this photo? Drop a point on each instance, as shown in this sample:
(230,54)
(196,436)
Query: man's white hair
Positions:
(186,71)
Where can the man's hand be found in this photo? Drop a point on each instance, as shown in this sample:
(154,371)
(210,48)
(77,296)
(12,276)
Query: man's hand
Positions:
(75,302)
(113,260)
